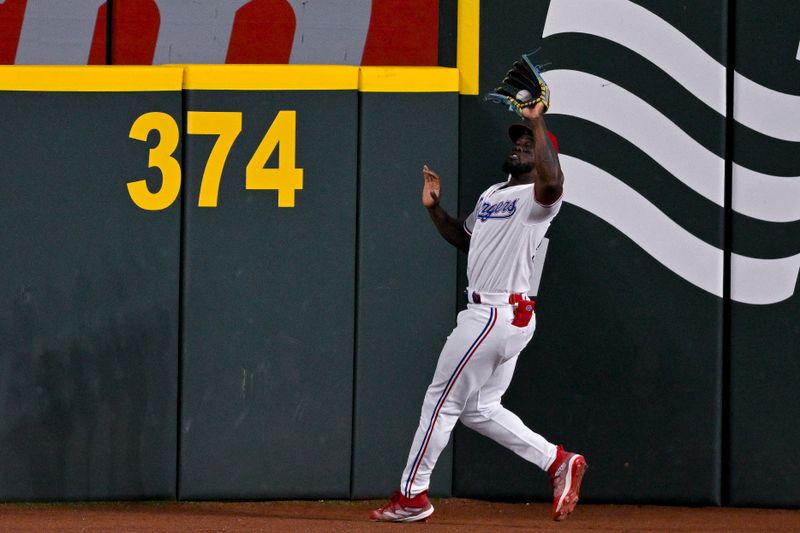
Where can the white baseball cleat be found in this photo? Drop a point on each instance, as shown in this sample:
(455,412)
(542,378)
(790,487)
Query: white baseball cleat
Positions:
(402,509)
(566,474)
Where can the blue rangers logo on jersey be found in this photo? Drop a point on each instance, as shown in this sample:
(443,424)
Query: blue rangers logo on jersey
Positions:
(504,209)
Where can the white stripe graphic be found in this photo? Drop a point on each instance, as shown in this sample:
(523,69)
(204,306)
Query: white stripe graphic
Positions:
(330,31)
(57,33)
(763,281)
(765,110)
(765,197)
(194,31)
(753,280)
(755,194)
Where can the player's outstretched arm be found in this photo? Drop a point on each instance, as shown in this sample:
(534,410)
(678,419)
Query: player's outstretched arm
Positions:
(549,178)
(451,229)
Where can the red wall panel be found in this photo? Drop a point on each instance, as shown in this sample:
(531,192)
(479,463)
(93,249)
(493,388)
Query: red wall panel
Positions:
(12,13)
(399,32)
(97,53)
(403,32)
(263,31)
(135,31)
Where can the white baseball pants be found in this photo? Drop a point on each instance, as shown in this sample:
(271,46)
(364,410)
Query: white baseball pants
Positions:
(473,372)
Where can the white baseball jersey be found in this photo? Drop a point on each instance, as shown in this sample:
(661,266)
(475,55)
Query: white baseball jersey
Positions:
(506,228)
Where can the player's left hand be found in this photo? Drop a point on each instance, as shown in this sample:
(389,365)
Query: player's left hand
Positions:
(523,87)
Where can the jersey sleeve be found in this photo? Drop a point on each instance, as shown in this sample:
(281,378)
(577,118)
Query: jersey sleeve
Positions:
(469,222)
(541,212)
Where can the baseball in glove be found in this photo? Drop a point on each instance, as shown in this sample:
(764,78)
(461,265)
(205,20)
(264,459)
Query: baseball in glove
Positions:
(523,86)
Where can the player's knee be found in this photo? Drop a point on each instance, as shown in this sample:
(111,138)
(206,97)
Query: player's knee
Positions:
(479,415)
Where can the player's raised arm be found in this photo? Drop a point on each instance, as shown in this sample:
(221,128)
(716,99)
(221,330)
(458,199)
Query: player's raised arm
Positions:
(451,229)
(549,182)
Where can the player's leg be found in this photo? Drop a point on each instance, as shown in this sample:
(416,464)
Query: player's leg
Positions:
(485,414)
(468,358)
(466,361)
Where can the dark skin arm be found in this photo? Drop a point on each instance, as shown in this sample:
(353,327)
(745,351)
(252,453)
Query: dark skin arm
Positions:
(549,182)
(450,228)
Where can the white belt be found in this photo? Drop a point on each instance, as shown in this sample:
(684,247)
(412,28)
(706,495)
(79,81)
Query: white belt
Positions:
(492,298)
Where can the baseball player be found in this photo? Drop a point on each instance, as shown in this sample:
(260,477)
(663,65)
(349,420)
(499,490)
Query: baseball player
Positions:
(478,359)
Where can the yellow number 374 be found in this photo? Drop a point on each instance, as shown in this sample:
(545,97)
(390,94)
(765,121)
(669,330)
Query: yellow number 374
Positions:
(286,178)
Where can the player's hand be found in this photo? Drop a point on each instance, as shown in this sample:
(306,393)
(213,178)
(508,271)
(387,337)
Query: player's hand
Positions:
(533,112)
(431,188)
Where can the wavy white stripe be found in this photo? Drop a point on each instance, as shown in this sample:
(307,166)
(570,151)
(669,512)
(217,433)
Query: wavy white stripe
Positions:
(765,197)
(755,194)
(763,281)
(763,109)
(753,280)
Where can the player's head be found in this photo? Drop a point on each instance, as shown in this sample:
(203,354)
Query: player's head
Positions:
(521,159)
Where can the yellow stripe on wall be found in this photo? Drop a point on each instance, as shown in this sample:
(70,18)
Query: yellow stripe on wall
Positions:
(270,77)
(408,79)
(468,54)
(90,78)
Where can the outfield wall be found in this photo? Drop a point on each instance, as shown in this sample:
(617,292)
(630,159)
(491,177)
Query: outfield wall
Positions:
(195,246)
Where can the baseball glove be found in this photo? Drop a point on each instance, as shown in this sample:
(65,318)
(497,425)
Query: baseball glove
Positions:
(523,86)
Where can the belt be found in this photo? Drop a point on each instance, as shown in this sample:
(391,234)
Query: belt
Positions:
(494,298)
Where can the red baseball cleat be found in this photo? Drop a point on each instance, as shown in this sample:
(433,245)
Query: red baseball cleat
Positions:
(402,509)
(566,474)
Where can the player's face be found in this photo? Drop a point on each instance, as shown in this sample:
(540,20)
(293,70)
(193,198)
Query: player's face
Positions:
(520,160)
